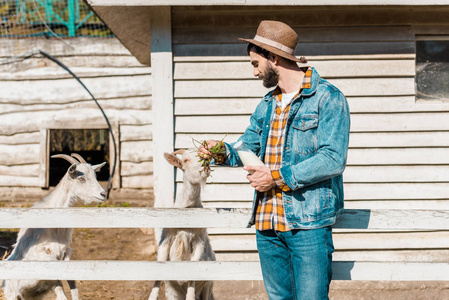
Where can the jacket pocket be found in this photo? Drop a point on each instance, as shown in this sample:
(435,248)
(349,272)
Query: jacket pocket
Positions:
(304,133)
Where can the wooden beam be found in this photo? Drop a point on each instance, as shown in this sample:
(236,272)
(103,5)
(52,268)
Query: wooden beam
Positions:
(206,218)
(163,137)
(263,2)
(211,270)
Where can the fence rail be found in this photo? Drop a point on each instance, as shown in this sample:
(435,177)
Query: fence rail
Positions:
(144,270)
(209,218)
(206,218)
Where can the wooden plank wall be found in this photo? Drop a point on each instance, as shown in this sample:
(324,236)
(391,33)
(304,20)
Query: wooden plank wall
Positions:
(398,145)
(36,93)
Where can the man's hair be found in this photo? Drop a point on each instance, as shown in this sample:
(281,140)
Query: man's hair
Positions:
(258,50)
(266,53)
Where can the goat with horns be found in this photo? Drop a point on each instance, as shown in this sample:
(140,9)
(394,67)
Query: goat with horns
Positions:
(51,244)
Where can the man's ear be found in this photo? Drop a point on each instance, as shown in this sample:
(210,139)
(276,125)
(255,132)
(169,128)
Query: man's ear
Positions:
(173,160)
(273,58)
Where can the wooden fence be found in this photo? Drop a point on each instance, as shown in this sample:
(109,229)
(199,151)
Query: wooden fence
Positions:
(210,218)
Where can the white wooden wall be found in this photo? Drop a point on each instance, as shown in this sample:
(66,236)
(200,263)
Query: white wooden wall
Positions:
(36,94)
(399,147)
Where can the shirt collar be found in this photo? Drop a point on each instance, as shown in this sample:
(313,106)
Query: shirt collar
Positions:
(306,82)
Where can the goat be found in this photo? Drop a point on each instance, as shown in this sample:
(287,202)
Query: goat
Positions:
(51,244)
(186,244)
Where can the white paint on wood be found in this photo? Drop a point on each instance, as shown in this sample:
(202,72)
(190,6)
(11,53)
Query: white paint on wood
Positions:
(386,174)
(20,138)
(307,34)
(442,204)
(426,255)
(31,170)
(20,181)
(138,182)
(359,256)
(11,155)
(396,191)
(82,72)
(307,49)
(162,65)
(356,174)
(74,118)
(181,270)
(227,204)
(128,103)
(244,58)
(390,192)
(327,69)
(206,218)
(44,155)
(348,241)
(398,156)
(238,106)
(356,140)
(136,133)
(92,61)
(254,88)
(96,46)
(359,123)
(399,139)
(133,169)
(32,91)
(136,152)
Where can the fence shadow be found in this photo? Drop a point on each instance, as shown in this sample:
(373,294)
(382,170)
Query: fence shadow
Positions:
(341,270)
(353,219)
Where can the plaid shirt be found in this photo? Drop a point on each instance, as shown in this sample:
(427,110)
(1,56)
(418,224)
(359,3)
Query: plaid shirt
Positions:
(270,211)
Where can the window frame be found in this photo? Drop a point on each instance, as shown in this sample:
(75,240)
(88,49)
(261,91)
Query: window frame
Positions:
(44,164)
(426,37)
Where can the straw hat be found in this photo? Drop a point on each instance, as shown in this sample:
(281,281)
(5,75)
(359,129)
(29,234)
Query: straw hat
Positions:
(278,38)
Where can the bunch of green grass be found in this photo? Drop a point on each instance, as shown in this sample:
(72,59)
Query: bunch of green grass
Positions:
(217,153)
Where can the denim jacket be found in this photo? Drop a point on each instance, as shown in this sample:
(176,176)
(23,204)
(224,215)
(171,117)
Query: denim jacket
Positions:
(314,154)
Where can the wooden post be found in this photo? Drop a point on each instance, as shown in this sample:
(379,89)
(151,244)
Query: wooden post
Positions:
(44,180)
(163,137)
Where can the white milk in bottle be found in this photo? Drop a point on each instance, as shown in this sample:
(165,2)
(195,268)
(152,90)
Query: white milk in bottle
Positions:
(247,157)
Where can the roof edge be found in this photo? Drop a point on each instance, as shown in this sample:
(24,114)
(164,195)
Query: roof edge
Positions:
(265,2)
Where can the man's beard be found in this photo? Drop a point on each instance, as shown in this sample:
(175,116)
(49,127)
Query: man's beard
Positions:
(270,78)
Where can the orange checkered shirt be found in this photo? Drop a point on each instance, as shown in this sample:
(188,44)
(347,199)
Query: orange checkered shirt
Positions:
(270,211)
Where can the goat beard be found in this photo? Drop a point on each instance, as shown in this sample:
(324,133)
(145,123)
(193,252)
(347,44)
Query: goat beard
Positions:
(270,78)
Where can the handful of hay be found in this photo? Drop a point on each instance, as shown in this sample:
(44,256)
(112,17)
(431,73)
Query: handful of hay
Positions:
(217,153)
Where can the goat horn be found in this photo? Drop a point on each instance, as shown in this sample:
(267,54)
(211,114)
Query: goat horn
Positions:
(180,151)
(79,157)
(67,158)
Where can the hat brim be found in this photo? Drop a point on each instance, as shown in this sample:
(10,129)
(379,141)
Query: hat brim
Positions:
(272,49)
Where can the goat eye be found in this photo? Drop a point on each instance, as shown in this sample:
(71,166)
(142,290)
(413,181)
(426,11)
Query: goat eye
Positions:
(82,179)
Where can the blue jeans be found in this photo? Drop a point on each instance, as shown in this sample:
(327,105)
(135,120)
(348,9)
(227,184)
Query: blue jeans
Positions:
(296,264)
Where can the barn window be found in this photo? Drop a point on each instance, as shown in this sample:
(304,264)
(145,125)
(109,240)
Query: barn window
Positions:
(91,144)
(432,68)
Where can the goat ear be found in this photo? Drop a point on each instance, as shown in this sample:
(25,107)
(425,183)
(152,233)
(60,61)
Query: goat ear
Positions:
(73,171)
(97,168)
(173,160)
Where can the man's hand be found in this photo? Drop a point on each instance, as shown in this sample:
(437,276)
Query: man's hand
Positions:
(203,152)
(261,179)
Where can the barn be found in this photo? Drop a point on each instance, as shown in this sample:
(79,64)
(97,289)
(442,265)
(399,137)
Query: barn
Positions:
(389,57)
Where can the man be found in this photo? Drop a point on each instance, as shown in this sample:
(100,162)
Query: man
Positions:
(301,132)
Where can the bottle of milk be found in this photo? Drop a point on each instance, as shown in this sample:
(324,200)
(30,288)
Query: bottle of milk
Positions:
(247,157)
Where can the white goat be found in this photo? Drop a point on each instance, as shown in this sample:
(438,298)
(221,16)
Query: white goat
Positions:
(51,244)
(187,244)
